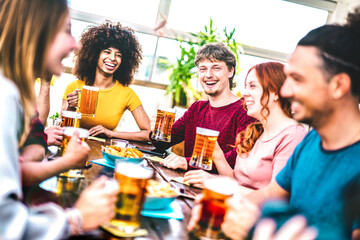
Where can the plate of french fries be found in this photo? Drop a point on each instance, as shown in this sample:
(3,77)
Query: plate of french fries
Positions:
(112,152)
(159,195)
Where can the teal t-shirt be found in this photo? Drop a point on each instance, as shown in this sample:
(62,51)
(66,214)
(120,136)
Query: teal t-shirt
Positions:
(316,179)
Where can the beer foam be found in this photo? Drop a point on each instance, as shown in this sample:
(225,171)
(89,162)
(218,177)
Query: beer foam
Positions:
(71,114)
(91,88)
(133,170)
(167,109)
(69,131)
(207,132)
(222,185)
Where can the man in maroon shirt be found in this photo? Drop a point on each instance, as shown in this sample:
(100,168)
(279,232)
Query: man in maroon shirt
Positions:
(223,111)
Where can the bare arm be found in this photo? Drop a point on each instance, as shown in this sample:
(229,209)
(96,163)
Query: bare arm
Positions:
(273,190)
(64,105)
(142,121)
(75,156)
(221,163)
(32,153)
(35,172)
(43,100)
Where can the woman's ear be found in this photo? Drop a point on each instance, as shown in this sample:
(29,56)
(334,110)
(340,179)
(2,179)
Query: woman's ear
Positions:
(276,97)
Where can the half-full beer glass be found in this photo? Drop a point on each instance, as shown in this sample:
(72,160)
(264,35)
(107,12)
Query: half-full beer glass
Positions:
(68,132)
(204,147)
(70,119)
(133,180)
(216,191)
(164,120)
(88,100)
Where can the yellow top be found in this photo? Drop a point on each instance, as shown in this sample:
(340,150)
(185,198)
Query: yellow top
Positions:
(111,105)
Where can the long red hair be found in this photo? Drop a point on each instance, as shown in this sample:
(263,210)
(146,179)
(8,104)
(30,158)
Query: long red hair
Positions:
(271,77)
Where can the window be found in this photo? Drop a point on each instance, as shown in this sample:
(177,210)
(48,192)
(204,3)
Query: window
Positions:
(142,12)
(269,24)
(269,29)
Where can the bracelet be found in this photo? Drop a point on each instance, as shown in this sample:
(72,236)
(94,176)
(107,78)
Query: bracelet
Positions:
(75,221)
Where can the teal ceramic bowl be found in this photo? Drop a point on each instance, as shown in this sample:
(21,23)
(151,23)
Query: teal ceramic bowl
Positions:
(111,158)
(157,203)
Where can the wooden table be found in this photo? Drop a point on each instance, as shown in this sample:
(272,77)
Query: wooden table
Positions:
(157,228)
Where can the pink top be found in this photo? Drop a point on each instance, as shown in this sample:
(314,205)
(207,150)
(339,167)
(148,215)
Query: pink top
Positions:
(267,158)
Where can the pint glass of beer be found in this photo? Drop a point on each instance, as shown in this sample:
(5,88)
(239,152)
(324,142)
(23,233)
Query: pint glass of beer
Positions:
(216,191)
(68,132)
(88,100)
(204,147)
(133,180)
(164,121)
(70,119)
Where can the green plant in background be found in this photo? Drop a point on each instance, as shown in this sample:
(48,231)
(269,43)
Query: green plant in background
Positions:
(184,69)
(54,117)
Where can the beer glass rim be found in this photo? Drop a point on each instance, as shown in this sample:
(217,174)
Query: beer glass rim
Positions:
(222,185)
(91,88)
(69,131)
(116,141)
(167,109)
(133,170)
(207,132)
(71,114)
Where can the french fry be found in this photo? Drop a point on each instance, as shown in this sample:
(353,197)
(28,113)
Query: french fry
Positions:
(157,189)
(123,152)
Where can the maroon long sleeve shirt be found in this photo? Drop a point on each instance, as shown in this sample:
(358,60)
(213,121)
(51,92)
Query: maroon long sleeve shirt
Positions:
(229,120)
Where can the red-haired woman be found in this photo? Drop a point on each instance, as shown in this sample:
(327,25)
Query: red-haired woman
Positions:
(265,146)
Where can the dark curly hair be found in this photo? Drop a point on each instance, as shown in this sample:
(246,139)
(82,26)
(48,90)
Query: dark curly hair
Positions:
(97,38)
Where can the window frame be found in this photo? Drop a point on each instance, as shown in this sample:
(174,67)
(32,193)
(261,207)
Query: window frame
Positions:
(164,8)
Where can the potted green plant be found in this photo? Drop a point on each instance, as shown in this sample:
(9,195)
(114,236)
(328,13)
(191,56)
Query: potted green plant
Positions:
(184,69)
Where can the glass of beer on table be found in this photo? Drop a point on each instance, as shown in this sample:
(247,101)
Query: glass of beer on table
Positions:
(203,149)
(216,191)
(70,119)
(88,100)
(164,120)
(68,132)
(133,179)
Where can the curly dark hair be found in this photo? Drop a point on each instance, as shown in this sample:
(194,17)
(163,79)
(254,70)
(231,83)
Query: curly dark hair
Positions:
(97,38)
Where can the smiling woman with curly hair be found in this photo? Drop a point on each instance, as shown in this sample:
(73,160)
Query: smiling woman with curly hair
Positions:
(109,57)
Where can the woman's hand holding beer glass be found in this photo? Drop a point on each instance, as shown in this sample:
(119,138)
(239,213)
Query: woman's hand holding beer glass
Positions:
(97,204)
(73,99)
(55,135)
(77,152)
(174,161)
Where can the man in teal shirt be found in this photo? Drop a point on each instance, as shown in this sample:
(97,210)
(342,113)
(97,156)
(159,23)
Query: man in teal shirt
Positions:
(323,84)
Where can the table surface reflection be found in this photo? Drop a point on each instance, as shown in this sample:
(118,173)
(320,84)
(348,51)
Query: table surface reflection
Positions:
(156,227)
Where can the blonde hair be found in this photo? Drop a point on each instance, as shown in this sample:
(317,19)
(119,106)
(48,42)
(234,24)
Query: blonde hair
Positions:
(27,28)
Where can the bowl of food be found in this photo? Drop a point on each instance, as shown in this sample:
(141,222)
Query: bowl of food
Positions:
(159,195)
(112,152)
